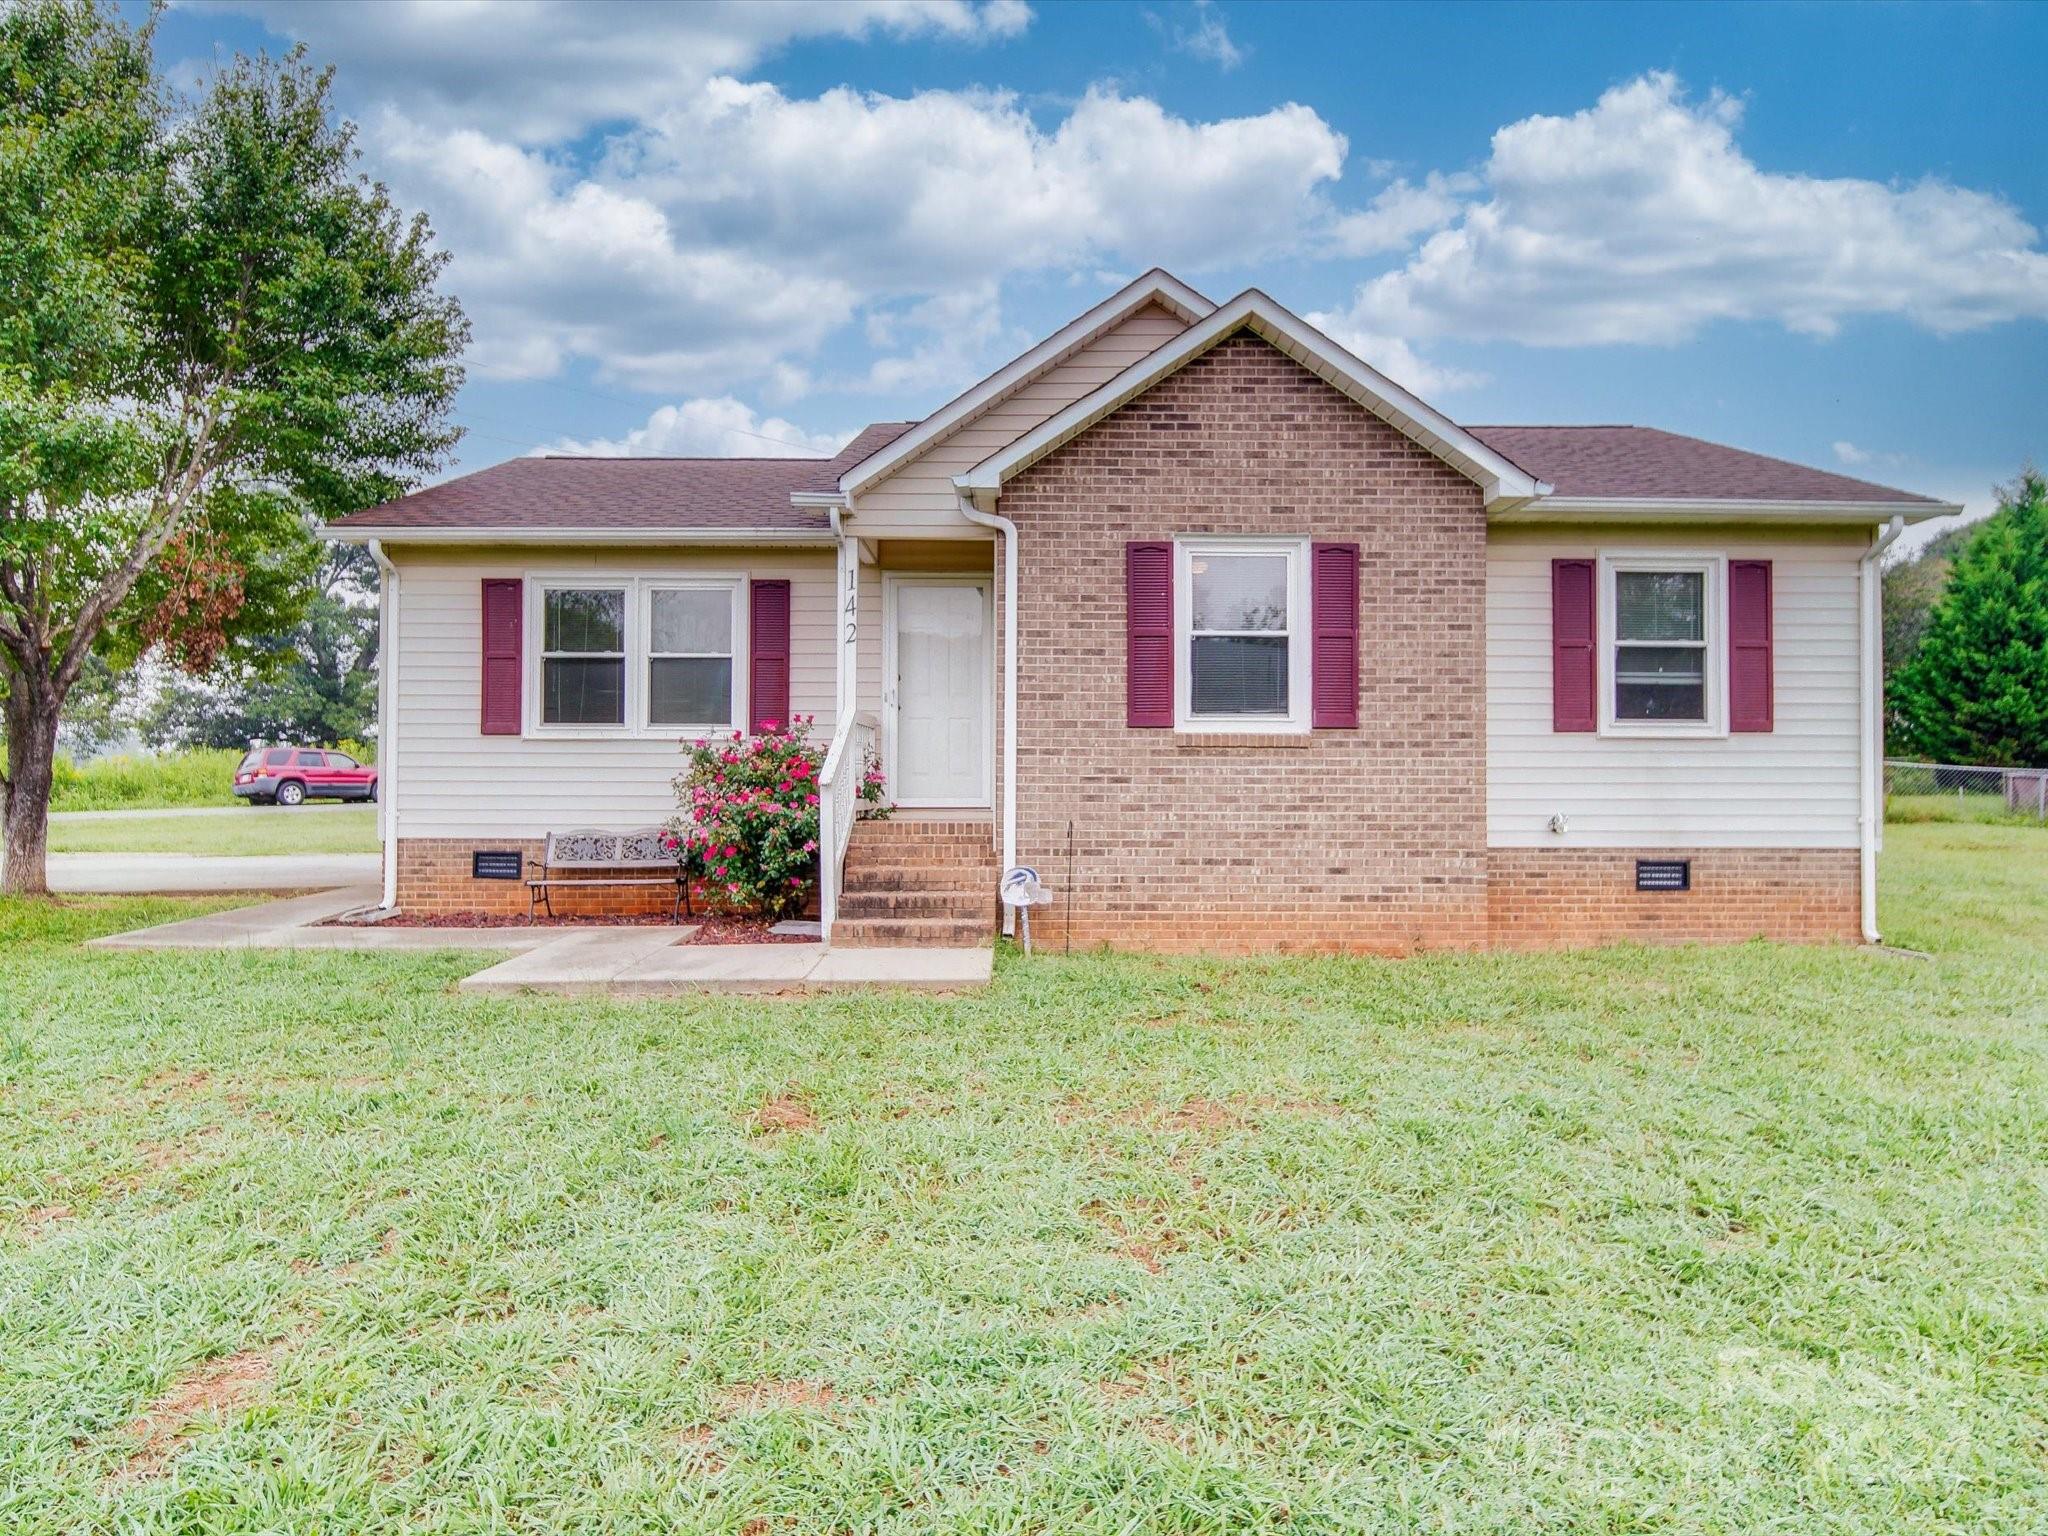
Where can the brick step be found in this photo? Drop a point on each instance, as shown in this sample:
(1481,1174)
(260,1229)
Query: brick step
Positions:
(884,932)
(978,844)
(920,877)
(917,903)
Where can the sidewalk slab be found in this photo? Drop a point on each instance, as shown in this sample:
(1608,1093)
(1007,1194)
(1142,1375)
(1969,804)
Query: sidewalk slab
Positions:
(656,969)
(187,873)
(294,924)
(922,968)
(579,960)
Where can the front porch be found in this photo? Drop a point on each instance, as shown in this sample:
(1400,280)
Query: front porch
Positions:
(918,665)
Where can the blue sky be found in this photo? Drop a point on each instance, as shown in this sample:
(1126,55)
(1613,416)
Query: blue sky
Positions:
(1811,231)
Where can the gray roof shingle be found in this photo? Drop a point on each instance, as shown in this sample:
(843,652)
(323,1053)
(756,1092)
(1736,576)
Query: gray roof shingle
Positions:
(1643,461)
(576,492)
(753,494)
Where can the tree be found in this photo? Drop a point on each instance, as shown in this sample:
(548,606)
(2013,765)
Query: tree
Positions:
(212,328)
(1976,690)
(316,682)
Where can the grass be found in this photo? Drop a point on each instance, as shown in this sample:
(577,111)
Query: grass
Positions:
(245,830)
(1635,1240)
(165,781)
(1966,807)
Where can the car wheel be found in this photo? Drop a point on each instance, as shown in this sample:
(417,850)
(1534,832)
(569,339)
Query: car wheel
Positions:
(372,795)
(291,793)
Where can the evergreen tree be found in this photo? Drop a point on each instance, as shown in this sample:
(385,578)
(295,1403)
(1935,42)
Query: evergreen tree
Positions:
(1976,689)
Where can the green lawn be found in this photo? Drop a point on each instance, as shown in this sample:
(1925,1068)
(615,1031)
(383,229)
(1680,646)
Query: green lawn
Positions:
(1737,1240)
(258,829)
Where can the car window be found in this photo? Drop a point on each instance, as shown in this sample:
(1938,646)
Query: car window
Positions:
(341,760)
(310,760)
(277,757)
(249,761)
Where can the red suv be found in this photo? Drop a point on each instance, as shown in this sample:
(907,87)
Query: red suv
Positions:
(292,775)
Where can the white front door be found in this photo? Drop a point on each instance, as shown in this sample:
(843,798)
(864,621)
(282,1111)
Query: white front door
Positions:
(938,668)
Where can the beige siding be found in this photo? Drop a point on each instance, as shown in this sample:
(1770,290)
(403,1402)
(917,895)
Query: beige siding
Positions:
(1794,787)
(918,501)
(453,781)
(919,498)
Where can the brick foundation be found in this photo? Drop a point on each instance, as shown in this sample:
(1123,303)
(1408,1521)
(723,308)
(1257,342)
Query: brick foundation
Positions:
(434,877)
(1548,898)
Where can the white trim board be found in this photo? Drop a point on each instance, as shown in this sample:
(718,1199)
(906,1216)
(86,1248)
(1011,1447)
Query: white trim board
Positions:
(1156,287)
(1502,480)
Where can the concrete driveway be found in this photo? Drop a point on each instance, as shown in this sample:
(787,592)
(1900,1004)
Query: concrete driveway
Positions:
(136,873)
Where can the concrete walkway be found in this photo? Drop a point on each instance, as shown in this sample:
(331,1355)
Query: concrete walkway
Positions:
(648,961)
(137,873)
(294,924)
(639,962)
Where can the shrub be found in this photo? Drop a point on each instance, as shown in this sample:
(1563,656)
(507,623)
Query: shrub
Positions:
(748,828)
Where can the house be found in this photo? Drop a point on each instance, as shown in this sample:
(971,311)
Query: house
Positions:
(1234,639)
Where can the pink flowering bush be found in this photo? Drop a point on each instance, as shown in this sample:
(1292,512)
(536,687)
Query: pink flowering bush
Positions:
(748,825)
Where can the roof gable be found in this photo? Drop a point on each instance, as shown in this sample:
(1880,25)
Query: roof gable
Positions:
(1499,477)
(1156,287)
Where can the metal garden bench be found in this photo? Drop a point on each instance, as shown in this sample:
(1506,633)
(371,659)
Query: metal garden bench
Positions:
(606,857)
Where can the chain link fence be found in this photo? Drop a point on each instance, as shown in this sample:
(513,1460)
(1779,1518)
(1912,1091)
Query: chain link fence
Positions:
(1957,792)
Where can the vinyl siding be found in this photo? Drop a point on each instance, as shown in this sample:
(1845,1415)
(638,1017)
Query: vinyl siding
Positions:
(1795,787)
(453,781)
(919,498)
(918,501)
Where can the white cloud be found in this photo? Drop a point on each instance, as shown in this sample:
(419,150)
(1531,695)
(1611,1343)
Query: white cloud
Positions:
(720,244)
(721,428)
(1849,453)
(552,266)
(1401,211)
(1639,219)
(1207,39)
(1396,358)
(540,71)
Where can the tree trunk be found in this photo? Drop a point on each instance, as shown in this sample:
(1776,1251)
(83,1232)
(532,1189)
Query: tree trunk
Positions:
(31,762)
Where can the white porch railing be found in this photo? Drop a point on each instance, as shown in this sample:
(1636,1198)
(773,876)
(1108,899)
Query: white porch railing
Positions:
(846,764)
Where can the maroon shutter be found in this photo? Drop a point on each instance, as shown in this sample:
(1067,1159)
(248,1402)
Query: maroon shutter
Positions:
(1148,631)
(767,655)
(503,627)
(1750,663)
(1574,643)
(1333,607)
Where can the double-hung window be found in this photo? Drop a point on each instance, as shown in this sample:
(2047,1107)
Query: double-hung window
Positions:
(690,630)
(1241,616)
(654,655)
(583,655)
(1663,622)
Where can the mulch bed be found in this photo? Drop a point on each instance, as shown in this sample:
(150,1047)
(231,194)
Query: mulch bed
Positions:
(723,929)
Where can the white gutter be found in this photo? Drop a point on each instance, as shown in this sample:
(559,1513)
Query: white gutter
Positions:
(1008,530)
(816,538)
(387,716)
(1704,509)
(1870,718)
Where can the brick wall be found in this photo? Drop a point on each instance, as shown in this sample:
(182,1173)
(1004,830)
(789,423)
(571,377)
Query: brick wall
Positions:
(1362,839)
(434,877)
(1541,898)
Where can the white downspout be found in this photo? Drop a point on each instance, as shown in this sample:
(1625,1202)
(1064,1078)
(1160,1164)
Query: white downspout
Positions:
(1870,717)
(1008,530)
(387,715)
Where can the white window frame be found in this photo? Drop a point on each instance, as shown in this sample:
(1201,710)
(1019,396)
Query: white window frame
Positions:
(1300,639)
(638,628)
(1714,649)
(733,588)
